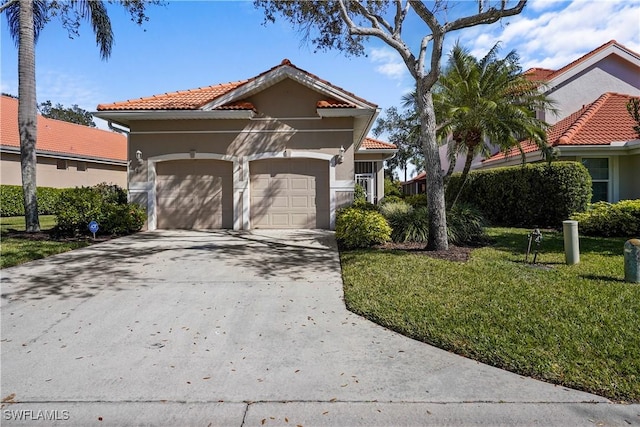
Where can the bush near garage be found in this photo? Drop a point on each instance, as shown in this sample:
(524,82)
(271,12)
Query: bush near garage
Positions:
(533,195)
(361,228)
(103,203)
(416,200)
(604,219)
(12,204)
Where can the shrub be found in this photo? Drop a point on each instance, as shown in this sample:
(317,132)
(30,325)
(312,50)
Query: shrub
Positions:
(604,219)
(533,195)
(416,200)
(390,199)
(411,226)
(391,188)
(358,228)
(11,203)
(465,225)
(359,194)
(105,204)
(390,209)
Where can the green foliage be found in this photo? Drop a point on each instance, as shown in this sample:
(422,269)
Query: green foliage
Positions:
(465,225)
(604,219)
(359,228)
(416,200)
(73,114)
(391,188)
(11,203)
(103,203)
(390,199)
(359,195)
(533,195)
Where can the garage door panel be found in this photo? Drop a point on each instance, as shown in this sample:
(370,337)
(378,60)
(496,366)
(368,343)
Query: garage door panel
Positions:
(194,194)
(289,193)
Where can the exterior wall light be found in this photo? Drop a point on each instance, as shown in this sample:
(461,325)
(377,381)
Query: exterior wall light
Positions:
(341,154)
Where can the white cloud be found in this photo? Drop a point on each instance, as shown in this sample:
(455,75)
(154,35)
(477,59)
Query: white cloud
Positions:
(553,38)
(390,63)
(68,89)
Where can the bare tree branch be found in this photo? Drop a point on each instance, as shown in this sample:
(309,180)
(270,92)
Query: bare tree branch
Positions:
(489,17)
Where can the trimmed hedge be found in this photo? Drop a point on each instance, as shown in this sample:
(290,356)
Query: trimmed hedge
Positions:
(103,203)
(11,203)
(604,219)
(533,195)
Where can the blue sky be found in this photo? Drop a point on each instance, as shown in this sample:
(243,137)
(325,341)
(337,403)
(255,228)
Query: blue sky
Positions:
(189,44)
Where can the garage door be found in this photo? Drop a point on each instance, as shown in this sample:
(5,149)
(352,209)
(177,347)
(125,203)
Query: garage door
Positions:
(289,193)
(194,194)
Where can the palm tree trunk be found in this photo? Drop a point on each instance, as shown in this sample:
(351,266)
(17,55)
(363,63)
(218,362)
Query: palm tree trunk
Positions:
(435,188)
(465,174)
(27,114)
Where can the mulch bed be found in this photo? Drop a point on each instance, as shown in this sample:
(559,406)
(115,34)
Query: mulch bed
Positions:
(455,253)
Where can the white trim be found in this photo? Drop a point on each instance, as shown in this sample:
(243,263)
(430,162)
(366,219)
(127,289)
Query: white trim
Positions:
(124,117)
(344,112)
(16,150)
(290,154)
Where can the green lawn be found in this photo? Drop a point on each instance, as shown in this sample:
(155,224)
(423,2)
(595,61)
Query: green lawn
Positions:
(578,326)
(19,249)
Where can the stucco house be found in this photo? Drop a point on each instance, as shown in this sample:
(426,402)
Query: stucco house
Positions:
(592,125)
(68,155)
(283,149)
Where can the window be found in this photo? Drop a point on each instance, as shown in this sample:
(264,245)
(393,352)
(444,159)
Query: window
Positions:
(599,170)
(81,166)
(61,164)
(364,167)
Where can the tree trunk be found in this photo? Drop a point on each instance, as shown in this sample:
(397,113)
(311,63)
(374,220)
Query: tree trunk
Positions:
(27,114)
(465,174)
(435,188)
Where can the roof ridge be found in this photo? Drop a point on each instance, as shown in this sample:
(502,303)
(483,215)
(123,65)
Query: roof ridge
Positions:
(588,55)
(589,112)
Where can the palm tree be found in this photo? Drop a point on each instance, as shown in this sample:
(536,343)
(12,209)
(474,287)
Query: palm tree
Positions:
(487,101)
(26,18)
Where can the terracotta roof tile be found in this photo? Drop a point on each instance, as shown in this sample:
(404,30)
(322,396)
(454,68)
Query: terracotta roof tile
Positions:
(602,122)
(238,105)
(195,99)
(333,103)
(374,144)
(420,176)
(538,74)
(58,137)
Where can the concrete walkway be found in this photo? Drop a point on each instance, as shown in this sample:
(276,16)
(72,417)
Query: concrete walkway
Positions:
(238,329)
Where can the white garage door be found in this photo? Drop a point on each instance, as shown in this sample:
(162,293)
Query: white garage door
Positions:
(194,194)
(289,193)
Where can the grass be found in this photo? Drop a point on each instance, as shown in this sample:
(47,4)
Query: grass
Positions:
(16,248)
(578,326)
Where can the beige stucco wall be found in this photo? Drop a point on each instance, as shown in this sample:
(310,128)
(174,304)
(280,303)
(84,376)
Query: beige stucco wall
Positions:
(48,175)
(612,74)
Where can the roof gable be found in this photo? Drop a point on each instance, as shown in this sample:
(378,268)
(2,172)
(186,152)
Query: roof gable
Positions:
(224,95)
(63,138)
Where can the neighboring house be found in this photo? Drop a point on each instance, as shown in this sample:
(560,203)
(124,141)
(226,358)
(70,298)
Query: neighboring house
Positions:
(592,88)
(416,185)
(601,136)
(68,155)
(283,149)
(593,125)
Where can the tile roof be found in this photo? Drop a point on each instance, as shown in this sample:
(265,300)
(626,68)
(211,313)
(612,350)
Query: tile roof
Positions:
(420,176)
(602,122)
(538,74)
(63,138)
(332,103)
(374,144)
(195,99)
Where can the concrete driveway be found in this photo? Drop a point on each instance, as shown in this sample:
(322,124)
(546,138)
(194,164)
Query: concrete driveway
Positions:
(226,328)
